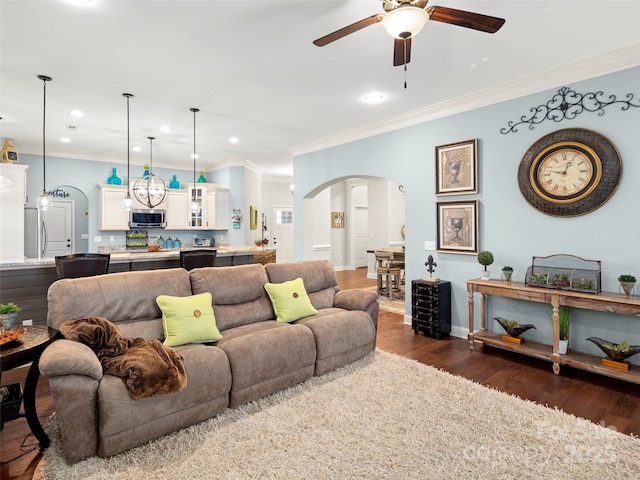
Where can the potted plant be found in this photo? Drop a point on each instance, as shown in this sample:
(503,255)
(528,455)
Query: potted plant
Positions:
(8,313)
(627,283)
(507,271)
(563,322)
(485,258)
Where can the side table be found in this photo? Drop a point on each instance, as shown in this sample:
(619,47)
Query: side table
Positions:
(25,349)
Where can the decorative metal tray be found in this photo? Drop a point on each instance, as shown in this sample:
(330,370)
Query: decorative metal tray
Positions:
(565,272)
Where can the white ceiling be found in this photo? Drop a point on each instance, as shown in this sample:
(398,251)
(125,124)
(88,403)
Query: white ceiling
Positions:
(252,70)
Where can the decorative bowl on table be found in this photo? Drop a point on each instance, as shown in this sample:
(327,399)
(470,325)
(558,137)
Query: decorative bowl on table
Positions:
(615,351)
(11,335)
(512,327)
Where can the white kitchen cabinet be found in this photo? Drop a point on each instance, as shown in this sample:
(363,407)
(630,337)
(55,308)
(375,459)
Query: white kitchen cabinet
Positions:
(177,207)
(13,181)
(205,195)
(112,216)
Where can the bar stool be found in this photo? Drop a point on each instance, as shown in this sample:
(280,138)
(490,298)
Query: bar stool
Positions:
(190,259)
(82,265)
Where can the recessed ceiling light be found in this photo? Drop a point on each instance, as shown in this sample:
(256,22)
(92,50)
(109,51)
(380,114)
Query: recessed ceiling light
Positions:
(136,149)
(76,113)
(165,128)
(373,97)
(234,140)
(65,139)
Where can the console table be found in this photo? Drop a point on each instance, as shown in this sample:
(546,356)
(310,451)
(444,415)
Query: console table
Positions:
(604,302)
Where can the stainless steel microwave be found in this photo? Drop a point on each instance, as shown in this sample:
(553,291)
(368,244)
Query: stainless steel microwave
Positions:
(150,218)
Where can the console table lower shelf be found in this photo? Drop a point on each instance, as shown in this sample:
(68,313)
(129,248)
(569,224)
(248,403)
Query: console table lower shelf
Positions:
(605,302)
(582,361)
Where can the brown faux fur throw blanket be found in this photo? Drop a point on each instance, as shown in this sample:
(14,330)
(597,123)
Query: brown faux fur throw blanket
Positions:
(148,368)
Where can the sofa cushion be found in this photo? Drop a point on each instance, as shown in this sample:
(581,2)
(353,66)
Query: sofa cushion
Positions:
(318,276)
(125,297)
(266,357)
(188,319)
(342,336)
(238,293)
(290,300)
(125,423)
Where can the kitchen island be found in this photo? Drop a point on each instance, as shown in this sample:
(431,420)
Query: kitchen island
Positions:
(26,283)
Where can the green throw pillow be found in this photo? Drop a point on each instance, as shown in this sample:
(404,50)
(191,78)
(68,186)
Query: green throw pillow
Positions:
(188,319)
(290,300)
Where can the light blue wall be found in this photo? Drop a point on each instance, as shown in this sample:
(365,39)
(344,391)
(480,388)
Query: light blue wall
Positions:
(509,226)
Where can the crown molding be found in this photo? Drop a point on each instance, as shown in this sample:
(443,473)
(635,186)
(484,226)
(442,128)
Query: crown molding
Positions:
(610,62)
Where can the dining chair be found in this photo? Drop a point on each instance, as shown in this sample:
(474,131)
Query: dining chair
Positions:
(190,259)
(389,275)
(78,265)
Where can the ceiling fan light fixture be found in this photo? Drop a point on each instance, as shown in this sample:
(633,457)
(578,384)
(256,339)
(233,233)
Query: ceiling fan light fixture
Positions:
(405,22)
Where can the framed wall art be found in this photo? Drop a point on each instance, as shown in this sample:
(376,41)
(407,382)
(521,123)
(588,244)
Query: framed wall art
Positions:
(253,217)
(457,227)
(457,168)
(337,219)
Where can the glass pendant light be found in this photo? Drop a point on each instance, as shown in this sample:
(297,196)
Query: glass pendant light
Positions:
(44,202)
(195,206)
(127,201)
(150,189)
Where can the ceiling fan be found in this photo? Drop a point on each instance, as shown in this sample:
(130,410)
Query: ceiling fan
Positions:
(405,18)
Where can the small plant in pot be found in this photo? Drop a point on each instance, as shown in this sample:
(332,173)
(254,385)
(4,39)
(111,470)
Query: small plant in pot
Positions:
(563,322)
(485,258)
(564,313)
(627,283)
(507,271)
(8,313)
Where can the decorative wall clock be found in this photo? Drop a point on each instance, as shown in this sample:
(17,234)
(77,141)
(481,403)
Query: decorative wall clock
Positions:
(569,172)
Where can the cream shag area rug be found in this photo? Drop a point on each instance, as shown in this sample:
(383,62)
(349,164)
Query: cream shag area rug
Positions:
(383,417)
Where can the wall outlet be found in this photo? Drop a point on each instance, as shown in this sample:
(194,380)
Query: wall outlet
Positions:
(429,245)
(84,236)
(97,238)
(27,323)
(112,238)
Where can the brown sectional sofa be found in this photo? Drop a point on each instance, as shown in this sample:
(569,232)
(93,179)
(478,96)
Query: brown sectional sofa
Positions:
(257,355)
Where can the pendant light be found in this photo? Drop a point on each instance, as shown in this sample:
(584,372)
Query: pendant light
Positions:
(195,206)
(150,189)
(127,201)
(44,202)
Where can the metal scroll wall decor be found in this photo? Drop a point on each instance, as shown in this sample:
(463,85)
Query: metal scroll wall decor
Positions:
(568,104)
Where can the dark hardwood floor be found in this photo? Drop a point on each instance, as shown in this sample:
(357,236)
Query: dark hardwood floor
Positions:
(609,402)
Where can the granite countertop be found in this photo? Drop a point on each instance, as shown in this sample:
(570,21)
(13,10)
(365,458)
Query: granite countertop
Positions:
(142,256)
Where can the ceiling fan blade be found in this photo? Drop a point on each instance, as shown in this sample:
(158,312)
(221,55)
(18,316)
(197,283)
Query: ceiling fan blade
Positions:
(462,18)
(343,32)
(401,51)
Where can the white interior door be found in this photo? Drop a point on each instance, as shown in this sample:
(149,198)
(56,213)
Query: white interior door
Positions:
(282,234)
(361,226)
(58,228)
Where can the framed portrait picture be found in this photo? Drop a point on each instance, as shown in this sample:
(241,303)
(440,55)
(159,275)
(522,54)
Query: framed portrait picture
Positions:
(457,227)
(457,168)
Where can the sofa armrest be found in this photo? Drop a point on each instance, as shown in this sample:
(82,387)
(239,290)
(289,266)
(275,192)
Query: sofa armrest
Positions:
(359,299)
(355,299)
(74,373)
(65,357)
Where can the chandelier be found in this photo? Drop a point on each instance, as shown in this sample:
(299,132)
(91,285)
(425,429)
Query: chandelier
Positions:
(150,189)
